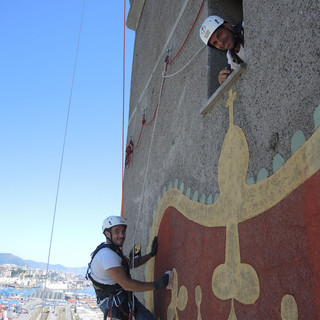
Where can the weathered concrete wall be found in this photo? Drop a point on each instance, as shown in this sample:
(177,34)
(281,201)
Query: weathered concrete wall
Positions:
(251,197)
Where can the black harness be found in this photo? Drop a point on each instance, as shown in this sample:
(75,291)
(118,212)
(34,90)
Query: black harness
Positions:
(238,33)
(115,293)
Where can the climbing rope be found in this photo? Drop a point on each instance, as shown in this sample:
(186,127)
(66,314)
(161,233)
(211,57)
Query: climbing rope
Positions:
(62,155)
(194,22)
(131,147)
(146,172)
(174,74)
(123,96)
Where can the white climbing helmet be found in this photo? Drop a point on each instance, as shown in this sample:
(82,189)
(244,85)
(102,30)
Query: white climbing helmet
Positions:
(113,221)
(209,26)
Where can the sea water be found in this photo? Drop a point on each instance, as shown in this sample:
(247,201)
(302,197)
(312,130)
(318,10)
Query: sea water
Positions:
(12,292)
(87,290)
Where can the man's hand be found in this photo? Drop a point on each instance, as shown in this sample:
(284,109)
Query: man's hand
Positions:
(223,75)
(154,247)
(119,276)
(162,282)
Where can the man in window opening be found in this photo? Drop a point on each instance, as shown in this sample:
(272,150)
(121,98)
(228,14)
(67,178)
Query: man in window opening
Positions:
(110,275)
(219,34)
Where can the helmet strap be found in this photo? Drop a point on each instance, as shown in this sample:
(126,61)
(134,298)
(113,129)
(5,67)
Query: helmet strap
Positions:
(237,32)
(110,239)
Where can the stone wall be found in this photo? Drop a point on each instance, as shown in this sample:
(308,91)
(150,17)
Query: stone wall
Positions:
(240,161)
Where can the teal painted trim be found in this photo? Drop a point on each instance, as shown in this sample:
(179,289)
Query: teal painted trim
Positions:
(297,140)
(278,162)
(188,193)
(316,117)
(195,196)
(209,200)
(262,174)
(250,180)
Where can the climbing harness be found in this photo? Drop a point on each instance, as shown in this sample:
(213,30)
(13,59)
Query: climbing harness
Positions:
(238,33)
(112,295)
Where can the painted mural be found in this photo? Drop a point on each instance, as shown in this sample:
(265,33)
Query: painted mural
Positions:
(251,254)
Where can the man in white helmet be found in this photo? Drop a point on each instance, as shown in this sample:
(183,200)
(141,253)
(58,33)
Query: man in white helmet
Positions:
(109,271)
(219,34)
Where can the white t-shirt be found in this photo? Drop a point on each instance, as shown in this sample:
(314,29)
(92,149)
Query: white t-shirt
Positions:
(241,55)
(104,260)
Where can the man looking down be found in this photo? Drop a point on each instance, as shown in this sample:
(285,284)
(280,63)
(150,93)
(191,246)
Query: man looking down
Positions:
(219,34)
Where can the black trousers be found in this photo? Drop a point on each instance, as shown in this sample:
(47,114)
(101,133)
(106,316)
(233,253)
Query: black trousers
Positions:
(115,312)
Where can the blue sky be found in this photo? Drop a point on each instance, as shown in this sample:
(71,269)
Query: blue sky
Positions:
(38,48)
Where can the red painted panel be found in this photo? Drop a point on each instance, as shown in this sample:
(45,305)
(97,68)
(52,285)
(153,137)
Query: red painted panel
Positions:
(195,252)
(281,244)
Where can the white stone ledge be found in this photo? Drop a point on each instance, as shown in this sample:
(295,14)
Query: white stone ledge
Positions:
(210,104)
(134,14)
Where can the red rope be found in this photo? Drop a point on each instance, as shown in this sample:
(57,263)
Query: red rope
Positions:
(143,125)
(130,148)
(188,33)
(123,95)
(163,80)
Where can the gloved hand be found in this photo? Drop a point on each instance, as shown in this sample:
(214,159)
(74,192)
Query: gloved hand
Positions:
(154,247)
(162,282)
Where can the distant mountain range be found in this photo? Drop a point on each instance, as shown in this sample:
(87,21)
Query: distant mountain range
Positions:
(8,258)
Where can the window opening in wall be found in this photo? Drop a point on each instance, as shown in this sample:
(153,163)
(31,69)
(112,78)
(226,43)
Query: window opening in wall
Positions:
(230,11)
